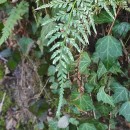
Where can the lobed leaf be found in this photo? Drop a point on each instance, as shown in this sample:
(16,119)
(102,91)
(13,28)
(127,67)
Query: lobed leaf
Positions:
(102,96)
(125,110)
(87,126)
(108,49)
(84,62)
(82,102)
(120,92)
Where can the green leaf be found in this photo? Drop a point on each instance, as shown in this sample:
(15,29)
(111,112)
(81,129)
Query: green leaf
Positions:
(1,71)
(25,44)
(87,126)
(39,108)
(103,109)
(108,49)
(12,64)
(39,126)
(45,30)
(116,68)
(1,27)
(53,125)
(95,57)
(103,17)
(2,1)
(54,85)
(42,70)
(74,121)
(84,62)
(51,70)
(120,30)
(102,96)
(89,88)
(63,122)
(82,102)
(68,84)
(101,126)
(93,79)
(38,54)
(15,15)
(120,92)
(125,110)
(101,70)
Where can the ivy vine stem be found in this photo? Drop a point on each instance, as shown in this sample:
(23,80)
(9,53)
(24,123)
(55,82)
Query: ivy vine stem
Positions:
(110,30)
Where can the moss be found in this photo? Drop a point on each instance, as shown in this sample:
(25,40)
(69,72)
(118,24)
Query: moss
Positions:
(2,123)
(1,71)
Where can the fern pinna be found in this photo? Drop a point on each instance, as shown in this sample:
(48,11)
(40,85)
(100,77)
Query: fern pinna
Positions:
(74,21)
(14,16)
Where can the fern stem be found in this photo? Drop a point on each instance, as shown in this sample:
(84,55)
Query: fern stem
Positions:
(60,100)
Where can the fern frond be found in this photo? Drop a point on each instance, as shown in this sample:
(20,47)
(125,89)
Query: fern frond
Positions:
(14,16)
(60,101)
(55,4)
(124,4)
(75,20)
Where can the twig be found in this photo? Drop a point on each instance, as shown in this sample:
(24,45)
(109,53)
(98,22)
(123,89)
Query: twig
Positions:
(94,114)
(127,40)
(125,51)
(40,82)
(1,104)
(43,89)
(109,126)
(109,32)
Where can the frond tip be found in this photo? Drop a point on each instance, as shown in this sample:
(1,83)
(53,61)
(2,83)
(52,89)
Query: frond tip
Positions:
(14,16)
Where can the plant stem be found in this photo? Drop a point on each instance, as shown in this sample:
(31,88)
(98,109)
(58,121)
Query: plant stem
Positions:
(109,32)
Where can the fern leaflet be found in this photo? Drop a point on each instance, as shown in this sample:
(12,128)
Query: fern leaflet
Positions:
(15,15)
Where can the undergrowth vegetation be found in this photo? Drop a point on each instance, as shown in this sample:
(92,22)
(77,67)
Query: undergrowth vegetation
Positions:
(65,64)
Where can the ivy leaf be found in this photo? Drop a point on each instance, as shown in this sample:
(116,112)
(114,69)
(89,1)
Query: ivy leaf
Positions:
(87,126)
(74,121)
(93,79)
(108,49)
(53,125)
(120,92)
(42,70)
(102,96)
(63,121)
(103,17)
(101,70)
(120,30)
(97,124)
(103,109)
(51,70)
(89,88)
(84,62)
(82,102)
(95,57)
(39,108)
(125,110)
(25,44)
(116,68)
(101,126)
